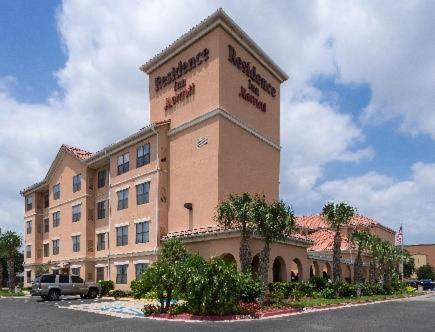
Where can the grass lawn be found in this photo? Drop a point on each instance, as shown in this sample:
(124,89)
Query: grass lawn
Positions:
(6,293)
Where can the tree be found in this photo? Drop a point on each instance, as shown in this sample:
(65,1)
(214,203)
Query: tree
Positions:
(361,239)
(10,242)
(389,257)
(425,272)
(408,264)
(337,215)
(235,213)
(272,222)
(374,251)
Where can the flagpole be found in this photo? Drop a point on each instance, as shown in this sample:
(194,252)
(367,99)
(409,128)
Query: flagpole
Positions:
(401,226)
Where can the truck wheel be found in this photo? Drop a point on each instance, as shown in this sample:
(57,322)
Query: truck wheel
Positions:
(82,296)
(44,298)
(54,295)
(92,293)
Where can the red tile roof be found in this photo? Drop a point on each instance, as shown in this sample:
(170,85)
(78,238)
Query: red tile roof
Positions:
(315,222)
(79,153)
(324,241)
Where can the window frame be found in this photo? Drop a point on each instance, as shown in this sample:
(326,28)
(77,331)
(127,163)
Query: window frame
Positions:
(55,248)
(46,249)
(101,213)
(122,236)
(144,196)
(46,224)
(77,183)
(29,202)
(56,218)
(76,243)
(99,268)
(75,274)
(56,191)
(123,202)
(101,245)
(136,270)
(144,158)
(28,251)
(121,278)
(101,178)
(76,216)
(29,227)
(123,163)
(141,233)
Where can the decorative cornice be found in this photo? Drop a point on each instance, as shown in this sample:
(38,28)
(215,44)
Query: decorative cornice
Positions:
(226,115)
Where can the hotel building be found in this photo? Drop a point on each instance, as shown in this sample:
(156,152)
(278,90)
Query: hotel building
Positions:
(214,130)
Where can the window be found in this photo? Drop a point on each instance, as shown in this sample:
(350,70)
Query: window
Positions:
(48,279)
(142,232)
(29,277)
(63,279)
(56,219)
(75,279)
(76,212)
(121,274)
(29,226)
(122,199)
(75,271)
(140,267)
(28,251)
(56,191)
(76,243)
(46,225)
(46,249)
(122,236)
(100,273)
(143,193)
(101,241)
(46,200)
(29,202)
(101,210)
(143,155)
(123,163)
(101,178)
(77,182)
(55,247)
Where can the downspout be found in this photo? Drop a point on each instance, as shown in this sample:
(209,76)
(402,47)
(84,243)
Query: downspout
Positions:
(109,214)
(158,190)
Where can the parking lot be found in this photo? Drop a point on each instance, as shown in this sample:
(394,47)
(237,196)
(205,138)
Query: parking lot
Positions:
(32,314)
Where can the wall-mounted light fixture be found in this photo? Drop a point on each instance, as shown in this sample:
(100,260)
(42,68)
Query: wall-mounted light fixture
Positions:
(188,206)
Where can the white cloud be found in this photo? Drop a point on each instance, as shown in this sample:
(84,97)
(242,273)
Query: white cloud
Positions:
(391,201)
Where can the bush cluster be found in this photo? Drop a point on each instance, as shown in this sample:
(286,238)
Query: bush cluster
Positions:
(106,287)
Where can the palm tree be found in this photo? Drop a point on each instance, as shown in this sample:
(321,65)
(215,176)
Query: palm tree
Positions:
(235,213)
(273,222)
(361,239)
(10,242)
(389,258)
(374,247)
(337,215)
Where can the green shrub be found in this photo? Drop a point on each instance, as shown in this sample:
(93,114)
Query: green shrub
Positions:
(409,290)
(150,309)
(280,290)
(139,287)
(117,293)
(318,283)
(425,272)
(106,287)
(178,309)
(250,288)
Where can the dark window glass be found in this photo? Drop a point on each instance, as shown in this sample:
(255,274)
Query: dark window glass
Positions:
(46,200)
(76,212)
(122,236)
(142,232)
(46,249)
(121,274)
(29,203)
(123,163)
(29,251)
(29,277)
(101,210)
(56,219)
(101,241)
(46,225)
(100,273)
(143,155)
(101,178)
(122,199)
(29,227)
(55,247)
(76,279)
(63,279)
(143,193)
(48,279)
(56,191)
(77,182)
(76,243)
(75,271)
(140,267)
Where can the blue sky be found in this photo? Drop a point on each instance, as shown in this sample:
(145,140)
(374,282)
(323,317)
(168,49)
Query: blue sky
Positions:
(358,117)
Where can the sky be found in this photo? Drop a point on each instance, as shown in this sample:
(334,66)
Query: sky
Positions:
(357,114)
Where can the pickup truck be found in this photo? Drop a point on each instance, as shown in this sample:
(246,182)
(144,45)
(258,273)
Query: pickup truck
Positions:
(52,286)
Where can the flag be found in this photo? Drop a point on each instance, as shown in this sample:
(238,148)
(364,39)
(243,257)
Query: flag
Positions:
(399,236)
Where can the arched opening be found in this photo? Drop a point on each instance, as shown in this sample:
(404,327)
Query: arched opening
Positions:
(326,272)
(347,273)
(255,264)
(296,273)
(316,269)
(229,258)
(279,269)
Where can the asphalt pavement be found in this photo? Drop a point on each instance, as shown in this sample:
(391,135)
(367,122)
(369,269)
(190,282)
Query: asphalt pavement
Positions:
(31,314)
